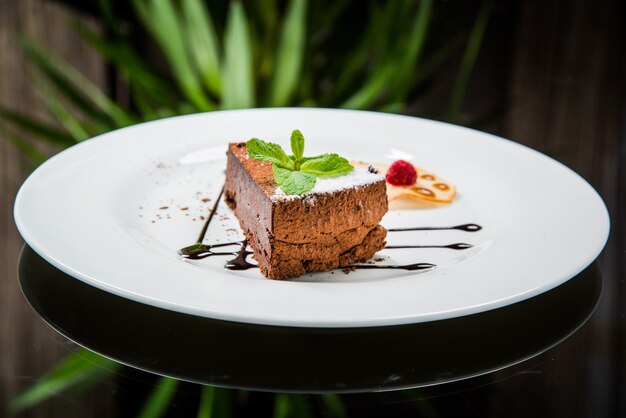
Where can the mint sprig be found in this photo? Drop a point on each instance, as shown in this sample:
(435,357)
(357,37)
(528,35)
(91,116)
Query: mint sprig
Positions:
(296,174)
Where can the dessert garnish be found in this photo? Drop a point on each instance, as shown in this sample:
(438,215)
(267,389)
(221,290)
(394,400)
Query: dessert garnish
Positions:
(296,174)
(401,173)
(426,190)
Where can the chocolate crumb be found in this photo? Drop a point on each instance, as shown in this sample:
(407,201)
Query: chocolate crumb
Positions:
(205,200)
(202,217)
(185,208)
(164,207)
(379,259)
(348,270)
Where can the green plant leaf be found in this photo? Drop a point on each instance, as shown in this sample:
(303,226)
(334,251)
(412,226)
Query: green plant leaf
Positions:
(393,75)
(329,165)
(205,409)
(386,52)
(302,408)
(393,107)
(329,15)
(146,109)
(76,87)
(356,60)
(216,402)
(74,370)
(267,13)
(290,54)
(58,78)
(412,51)
(35,156)
(203,44)
(291,405)
(159,400)
(335,405)
(297,144)
(163,22)
(106,12)
(267,151)
(293,182)
(282,406)
(372,89)
(437,59)
(469,59)
(238,82)
(132,67)
(62,113)
(44,131)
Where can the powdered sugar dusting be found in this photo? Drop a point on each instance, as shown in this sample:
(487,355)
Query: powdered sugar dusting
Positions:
(360,176)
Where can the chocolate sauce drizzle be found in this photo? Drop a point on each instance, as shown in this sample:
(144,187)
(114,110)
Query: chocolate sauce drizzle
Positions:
(457,246)
(464,227)
(205,227)
(199,250)
(410,267)
(240,262)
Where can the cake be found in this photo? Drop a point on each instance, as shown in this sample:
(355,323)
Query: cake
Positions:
(333,225)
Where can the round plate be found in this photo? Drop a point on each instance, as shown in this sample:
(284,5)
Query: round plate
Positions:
(114,210)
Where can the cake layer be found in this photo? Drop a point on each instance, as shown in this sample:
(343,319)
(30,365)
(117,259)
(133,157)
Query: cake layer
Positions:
(291,260)
(292,235)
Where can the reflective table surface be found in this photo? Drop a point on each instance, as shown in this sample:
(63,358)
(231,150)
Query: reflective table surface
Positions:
(545,356)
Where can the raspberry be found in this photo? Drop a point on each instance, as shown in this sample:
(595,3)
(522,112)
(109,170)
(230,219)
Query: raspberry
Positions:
(401,173)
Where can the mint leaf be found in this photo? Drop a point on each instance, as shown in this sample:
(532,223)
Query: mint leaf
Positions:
(327,165)
(293,182)
(267,151)
(297,144)
(303,159)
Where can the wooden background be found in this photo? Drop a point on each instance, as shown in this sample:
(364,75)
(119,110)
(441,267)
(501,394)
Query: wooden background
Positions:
(45,22)
(557,65)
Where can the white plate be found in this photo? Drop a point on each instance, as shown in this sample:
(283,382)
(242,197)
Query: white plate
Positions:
(97,212)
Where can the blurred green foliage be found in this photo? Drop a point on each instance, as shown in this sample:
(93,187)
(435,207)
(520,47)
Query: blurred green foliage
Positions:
(372,55)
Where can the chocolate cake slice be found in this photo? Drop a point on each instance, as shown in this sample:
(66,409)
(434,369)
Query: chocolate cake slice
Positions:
(334,225)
